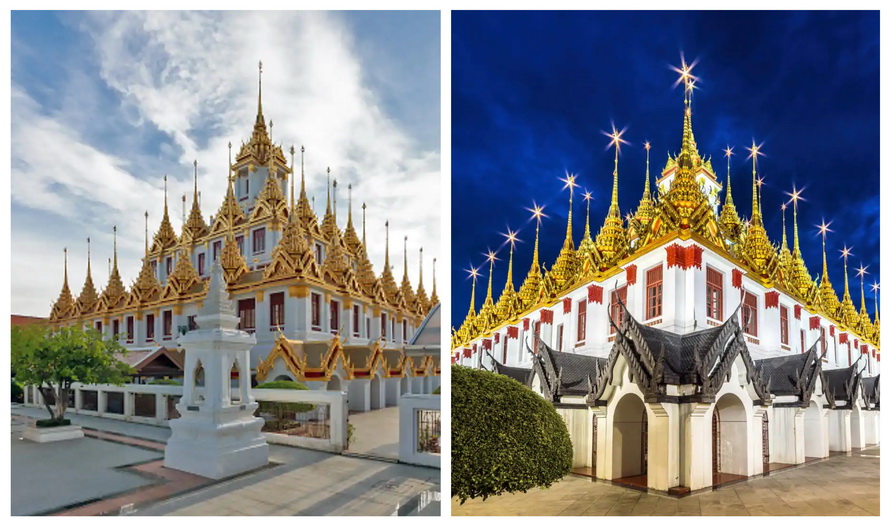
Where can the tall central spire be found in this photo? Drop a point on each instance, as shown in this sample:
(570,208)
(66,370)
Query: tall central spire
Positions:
(471,313)
(612,240)
(260,120)
(528,292)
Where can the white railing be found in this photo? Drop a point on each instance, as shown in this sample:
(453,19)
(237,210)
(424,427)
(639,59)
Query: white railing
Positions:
(419,428)
(163,409)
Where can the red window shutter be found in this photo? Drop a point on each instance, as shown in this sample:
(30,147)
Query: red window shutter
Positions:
(631,271)
(525,322)
(855,343)
(814,322)
(595,294)
(486,344)
(831,330)
(513,332)
(497,338)
(772,299)
(566,305)
(547,316)
(865,349)
(797,310)
(737,278)
(842,339)
(453,359)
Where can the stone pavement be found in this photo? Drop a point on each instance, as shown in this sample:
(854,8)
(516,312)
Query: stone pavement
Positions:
(376,433)
(838,486)
(298,481)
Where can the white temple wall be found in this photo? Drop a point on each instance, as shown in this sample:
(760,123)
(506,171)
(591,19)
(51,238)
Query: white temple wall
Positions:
(392,387)
(816,431)
(358,393)
(579,423)
(376,393)
(872,427)
(839,430)
(696,446)
(787,435)
(857,427)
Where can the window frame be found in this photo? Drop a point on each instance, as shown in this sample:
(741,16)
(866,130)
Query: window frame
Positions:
(315,311)
(581,322)
(356,320)
(712,287)
(334,324)
(167,324)
(784,333)
(746,321)
(247,323)
(654,293)
(149,327)
(258,238)
(276,316)
(614,307)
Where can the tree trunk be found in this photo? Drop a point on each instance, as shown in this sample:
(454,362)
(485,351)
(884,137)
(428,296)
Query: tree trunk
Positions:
(61,401)
(46,404)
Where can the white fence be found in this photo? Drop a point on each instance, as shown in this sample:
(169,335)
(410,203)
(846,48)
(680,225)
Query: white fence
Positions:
(156,405)
(420,430)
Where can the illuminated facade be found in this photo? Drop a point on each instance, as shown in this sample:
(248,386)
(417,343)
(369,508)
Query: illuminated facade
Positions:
(306,288)
(682,346)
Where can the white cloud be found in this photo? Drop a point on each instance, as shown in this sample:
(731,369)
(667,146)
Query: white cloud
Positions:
(193,77)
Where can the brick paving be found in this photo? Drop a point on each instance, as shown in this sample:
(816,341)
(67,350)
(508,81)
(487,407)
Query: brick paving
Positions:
(844,485)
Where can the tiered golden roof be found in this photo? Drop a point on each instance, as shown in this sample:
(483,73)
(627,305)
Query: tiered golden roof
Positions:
(195,227)
(115,292)
(509,304)
(64,307)
(487,317)
(165,238)
(88,298)
(684,209)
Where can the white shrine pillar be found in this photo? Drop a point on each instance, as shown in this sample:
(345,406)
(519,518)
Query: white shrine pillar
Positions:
(664,451)
(217,435)
(787,433)
(697,467)
(872,427)
(839,430)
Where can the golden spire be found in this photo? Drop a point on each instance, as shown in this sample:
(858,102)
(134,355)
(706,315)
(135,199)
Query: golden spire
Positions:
(434,298)
(847,313)
(876,334)
(875,287)
(88,297)
(115,290)
(757,249)
(800,276)
(407,291)
(474,274)
(688,151)
(364,240)
(864,321)
(528,292)
(292,202)
(587,248)
(350,237)
(645,210)
(166,236)
(827,296)
(563,270)
(335,200)
(146,283)
(260,120)
(195,227)
(611,242)
(64,306)
(729,217)
(507,303)
(146,233)
(306,211)
(329,224)
(390,288)
(785,231)
(423,302)
(491,258)
(230,258)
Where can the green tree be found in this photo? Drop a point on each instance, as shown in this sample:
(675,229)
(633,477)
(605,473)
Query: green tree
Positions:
(504,437)
(54,359)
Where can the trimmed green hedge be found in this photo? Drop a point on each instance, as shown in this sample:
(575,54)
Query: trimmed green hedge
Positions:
(281,410)
(504,437)
(166,382)
(51,423)
(17,392)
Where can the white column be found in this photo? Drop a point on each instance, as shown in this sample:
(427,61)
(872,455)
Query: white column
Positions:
(663,460)
(839,430)
(697,473)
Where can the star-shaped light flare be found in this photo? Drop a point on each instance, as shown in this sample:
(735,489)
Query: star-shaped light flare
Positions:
(727,151)
(569,181)
(473,272)
(862,271)
(615,135)
(875,287)
(491,256)
(823,228)
(537,212)
(795,194)
(755,150)
(511,237)
(846,251)
(587,195)
(685,71)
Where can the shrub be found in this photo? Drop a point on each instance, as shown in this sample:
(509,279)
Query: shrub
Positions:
(50,423)
(18,393)
(166,382)
(504,437)
(279,409)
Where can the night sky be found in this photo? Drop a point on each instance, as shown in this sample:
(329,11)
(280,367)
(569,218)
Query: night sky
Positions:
(532,93)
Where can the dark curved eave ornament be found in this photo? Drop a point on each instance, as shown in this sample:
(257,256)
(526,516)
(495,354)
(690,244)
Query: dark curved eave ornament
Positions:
(842,385)
(793,375)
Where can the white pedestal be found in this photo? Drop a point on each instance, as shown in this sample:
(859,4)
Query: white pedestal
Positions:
(52,434)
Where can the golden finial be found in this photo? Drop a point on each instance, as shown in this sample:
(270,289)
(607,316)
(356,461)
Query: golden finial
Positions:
(259,112)
(65,250)
(115,246)
(293,166)
(823,230)
(570,184)
(795,195)
(537,213)
(875,287)
(386,263)
(364,242)
(647,146)
(420,280)
(349,193)
(271,125)
(845,252)
(146,233)
(302,169)
(405,255)
(335,199)
(587,198)
(183,210)
(491,256)
(329,191)
(511,239)
(616,141)
(728,153)
(474,274)
(165,194)
(755,205)
(89,256)
(434,297)
(861,272)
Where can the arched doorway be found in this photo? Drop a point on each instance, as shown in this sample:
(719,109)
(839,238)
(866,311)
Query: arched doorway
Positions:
(375,392)
(630,441)
(815,437)
(334,384)
(729,439)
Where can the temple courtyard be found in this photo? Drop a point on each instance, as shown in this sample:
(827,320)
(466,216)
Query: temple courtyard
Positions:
(118,469)
(841,485)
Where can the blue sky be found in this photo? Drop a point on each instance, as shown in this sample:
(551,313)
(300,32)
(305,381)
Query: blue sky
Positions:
(105,103)
(531,93)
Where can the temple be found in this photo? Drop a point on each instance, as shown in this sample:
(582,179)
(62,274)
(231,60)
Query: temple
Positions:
(304,286)
(684,348)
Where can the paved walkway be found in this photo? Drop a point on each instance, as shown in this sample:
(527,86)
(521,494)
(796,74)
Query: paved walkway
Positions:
(376,433)
(126,469)
(838,486)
